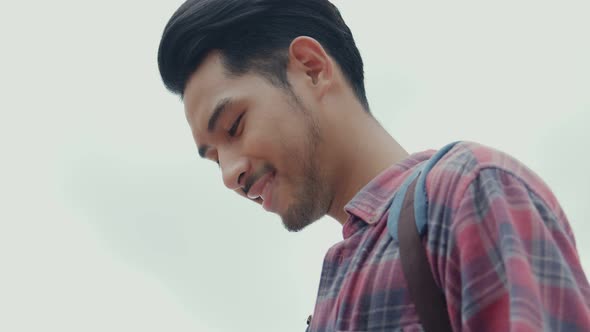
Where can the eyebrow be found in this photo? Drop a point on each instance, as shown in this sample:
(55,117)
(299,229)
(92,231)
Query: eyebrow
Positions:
(222,106)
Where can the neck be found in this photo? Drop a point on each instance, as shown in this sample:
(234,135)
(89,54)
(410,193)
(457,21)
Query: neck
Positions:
(369,151)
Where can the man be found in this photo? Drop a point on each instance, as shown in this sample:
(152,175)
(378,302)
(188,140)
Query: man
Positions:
(273,92)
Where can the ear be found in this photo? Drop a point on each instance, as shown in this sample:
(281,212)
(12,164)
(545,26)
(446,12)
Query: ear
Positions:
(309,57)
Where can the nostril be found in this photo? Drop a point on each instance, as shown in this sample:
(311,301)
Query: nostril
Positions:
(240,178)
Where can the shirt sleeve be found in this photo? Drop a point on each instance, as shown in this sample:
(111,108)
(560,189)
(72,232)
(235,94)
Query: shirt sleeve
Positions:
(512,264)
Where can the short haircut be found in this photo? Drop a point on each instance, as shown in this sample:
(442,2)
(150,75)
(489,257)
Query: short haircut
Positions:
(254,36)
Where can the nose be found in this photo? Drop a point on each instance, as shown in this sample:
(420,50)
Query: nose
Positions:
(233,169)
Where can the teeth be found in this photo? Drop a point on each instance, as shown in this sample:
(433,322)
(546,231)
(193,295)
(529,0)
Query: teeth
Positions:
(259,195)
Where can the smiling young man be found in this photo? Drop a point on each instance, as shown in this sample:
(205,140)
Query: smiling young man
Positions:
(274,93)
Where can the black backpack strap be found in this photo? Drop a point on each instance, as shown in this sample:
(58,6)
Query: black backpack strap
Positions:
(427,297)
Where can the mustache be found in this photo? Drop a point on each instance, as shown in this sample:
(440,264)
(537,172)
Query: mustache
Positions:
(256,176)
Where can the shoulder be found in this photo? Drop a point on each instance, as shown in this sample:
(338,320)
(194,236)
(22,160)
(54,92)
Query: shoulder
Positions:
(467,161)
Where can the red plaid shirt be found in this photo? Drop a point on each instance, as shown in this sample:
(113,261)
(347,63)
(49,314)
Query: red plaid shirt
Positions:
(498,243)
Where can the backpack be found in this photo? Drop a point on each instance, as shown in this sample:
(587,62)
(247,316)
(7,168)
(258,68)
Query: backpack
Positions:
(406,221)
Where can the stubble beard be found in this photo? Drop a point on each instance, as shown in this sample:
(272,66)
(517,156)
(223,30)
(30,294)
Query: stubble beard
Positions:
(311,199)
(310,206)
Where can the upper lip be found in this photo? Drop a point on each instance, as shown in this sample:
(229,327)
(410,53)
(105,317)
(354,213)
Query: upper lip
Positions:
(256,189)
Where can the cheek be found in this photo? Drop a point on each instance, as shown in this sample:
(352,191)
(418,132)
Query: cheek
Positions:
(261,147)
(278,142)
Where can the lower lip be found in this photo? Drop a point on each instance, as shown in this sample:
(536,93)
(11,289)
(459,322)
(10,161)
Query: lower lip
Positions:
(267,193)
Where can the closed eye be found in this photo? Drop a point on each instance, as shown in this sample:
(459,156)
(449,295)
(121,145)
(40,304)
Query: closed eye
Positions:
(234,128)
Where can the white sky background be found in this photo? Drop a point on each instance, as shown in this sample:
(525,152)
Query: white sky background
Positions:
(110,222)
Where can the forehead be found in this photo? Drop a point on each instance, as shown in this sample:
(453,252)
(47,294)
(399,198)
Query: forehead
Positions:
(205,86)
(210,84)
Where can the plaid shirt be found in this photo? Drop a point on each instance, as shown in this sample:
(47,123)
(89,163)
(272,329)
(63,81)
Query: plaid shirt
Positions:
(497,240)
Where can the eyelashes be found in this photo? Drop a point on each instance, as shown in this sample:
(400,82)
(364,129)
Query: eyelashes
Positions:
(232,131)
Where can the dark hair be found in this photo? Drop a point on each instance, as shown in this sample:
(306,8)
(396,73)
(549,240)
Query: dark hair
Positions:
(254,35)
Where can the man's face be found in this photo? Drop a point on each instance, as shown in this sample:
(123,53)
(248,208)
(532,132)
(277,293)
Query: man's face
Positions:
(264,139)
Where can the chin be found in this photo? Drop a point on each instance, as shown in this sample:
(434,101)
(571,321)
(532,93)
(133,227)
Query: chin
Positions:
(293,228)
(297,224)
(301,214)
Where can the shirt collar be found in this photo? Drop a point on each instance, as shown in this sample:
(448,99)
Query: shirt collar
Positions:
(371,202)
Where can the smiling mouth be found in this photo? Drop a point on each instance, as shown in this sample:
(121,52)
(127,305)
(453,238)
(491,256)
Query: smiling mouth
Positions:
(261,190)
(256,190)
(267,195)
